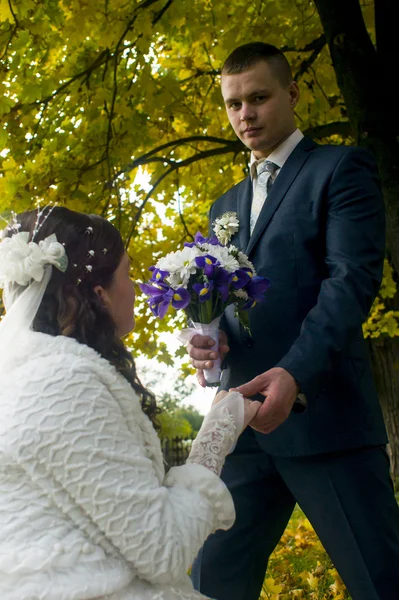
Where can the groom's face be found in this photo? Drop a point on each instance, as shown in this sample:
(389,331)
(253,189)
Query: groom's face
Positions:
(260,108)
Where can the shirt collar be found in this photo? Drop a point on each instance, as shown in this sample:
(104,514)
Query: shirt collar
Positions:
(280,154)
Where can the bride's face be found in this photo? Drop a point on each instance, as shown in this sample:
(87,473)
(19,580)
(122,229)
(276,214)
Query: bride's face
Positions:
(119,297)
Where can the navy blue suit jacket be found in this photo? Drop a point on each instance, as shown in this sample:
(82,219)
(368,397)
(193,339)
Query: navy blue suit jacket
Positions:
(319,239)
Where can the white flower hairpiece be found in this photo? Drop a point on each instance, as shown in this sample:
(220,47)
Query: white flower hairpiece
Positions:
(226,226)
(22,261)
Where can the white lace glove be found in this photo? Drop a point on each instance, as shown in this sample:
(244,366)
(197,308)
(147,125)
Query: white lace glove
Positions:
(219,433)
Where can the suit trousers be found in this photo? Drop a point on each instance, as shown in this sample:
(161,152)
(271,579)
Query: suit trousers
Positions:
(347,496)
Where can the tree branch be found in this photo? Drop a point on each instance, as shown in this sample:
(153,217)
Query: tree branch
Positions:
(233,145)
(319,132)
(316,47)
(12,12)
(160,14)
(112,109)
(188,234)
(145,4)
(313,45)
(13,32)
(177,165)
(98,62)
(200,73)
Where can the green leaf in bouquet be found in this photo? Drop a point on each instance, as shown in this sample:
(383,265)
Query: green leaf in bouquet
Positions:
(243,317)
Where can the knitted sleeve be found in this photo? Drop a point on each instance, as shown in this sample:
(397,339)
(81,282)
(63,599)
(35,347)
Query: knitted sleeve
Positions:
(73,440)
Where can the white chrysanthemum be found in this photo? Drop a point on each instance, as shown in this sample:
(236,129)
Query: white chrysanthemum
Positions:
(241,294)
(226,226)
(223,255)
(245,262)
(181,265)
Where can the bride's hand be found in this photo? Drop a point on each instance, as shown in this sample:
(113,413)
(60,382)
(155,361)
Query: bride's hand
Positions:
(219,396)
(251,407)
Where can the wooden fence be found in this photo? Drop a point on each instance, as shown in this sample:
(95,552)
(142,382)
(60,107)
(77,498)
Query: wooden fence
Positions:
(176,451)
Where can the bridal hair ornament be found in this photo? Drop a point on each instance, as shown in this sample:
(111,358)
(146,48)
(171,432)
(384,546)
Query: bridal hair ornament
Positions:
(25,270)
(22,261)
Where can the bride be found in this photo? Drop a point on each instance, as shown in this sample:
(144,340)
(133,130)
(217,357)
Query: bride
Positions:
(86,510)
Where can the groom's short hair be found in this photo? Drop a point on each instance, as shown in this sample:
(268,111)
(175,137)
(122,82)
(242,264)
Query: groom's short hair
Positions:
(247,56)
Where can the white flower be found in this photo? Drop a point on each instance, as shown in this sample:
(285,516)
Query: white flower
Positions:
(181,265)
(21,260)
(226,226)
(223,255)
(241,294)
(245,262)
(53,251)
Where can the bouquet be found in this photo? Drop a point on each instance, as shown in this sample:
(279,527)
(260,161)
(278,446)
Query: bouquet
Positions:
(203,279)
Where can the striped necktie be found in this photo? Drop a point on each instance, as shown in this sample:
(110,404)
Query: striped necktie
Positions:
(263,184)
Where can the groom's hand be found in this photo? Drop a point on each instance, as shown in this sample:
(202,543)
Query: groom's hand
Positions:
(280,390)
(202,355)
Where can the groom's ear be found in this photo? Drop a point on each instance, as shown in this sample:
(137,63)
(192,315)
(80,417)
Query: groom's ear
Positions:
(294,93)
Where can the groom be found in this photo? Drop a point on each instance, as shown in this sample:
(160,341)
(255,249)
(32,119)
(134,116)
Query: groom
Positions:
(312,221)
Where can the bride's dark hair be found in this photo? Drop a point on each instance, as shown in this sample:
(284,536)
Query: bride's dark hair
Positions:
(70,305)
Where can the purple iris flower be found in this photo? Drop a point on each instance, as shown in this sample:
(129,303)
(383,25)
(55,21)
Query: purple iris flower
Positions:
(203,290)
(221,279)
(181,298)
(161,296)
(240,279)
(256,290)
(213,241)
(157,274)
(208,263)
(200,239)
(159,306)
(156,290)
(248,270)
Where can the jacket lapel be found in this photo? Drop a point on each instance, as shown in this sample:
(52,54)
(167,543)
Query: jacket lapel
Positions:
(244,200)
(281,186)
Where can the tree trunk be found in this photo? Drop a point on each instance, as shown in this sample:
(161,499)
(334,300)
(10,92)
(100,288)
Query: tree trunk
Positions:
(364,76)
(384,353)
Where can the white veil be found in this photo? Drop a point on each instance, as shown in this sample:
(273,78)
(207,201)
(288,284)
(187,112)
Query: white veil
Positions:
(25,271)
(21,308)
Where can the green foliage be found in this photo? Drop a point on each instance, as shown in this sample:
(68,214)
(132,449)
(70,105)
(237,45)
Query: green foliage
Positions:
(176,420)
(173,425)
(192,415)
(382,320)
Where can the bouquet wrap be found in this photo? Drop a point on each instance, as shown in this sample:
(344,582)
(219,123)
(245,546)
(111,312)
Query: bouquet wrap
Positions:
(213,375)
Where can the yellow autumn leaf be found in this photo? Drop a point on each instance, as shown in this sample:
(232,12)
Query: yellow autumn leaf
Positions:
(5,12)
(312,581)
(272,587)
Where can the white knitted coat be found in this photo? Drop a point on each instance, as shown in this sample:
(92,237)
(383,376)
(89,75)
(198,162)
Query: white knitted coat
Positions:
(85,508)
